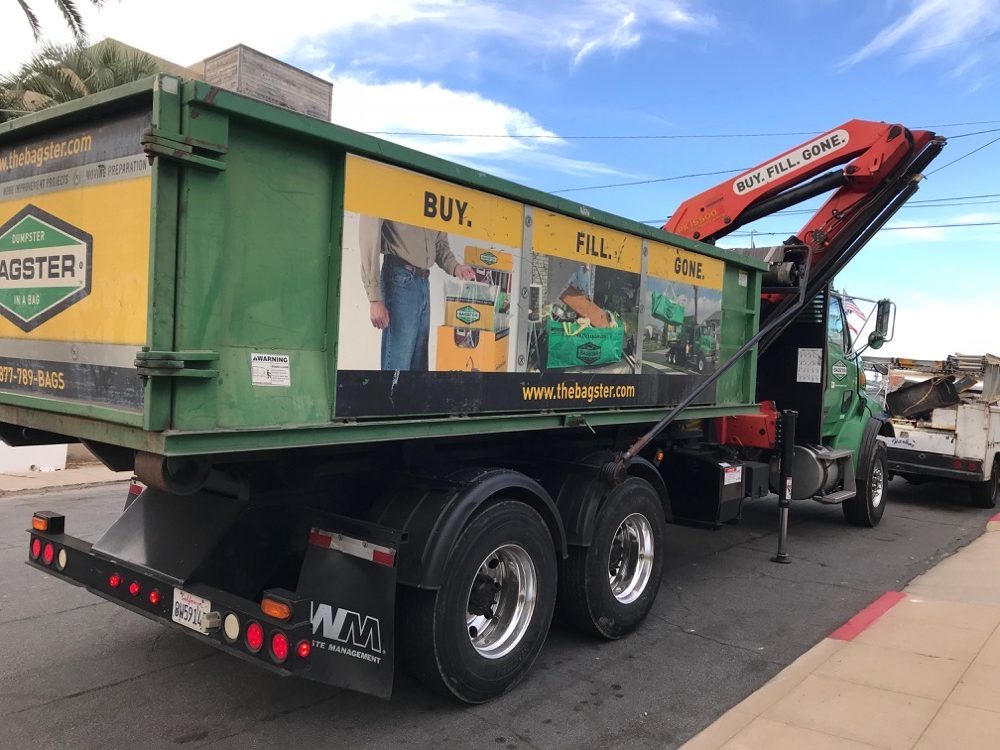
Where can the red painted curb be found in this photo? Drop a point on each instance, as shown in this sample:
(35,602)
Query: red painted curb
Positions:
(995,519)
(863,619)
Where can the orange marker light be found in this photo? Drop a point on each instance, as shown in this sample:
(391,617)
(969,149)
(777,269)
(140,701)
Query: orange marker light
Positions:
(39,524)
(277,610)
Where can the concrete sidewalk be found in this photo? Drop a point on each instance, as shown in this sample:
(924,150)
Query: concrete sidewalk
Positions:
(39,481)
(915,669)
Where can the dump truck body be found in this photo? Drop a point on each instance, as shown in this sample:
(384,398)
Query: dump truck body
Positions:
(187,271)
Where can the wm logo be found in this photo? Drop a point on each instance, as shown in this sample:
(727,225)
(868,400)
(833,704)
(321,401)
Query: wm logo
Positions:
(352,628)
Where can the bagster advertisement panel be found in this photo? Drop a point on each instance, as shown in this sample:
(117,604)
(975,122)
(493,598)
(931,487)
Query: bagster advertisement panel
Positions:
(454,300)
(74,262)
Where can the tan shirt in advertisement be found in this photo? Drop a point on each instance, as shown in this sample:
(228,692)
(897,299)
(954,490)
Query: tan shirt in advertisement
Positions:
(419,247)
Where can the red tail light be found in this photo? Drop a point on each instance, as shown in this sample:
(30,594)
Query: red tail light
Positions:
(254,637)
(134,588)
(36,548)
(154,597)
(956,464)
(48,553)
(279,646)
(115,580)
(303,649)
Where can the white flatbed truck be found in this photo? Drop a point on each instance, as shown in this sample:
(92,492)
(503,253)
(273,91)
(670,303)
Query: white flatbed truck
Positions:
(946,419)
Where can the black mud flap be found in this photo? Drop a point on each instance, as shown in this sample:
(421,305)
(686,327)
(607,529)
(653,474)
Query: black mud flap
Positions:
(349,572)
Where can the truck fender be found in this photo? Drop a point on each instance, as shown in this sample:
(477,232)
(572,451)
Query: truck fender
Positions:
(583,492)
(877,425)
(432,511)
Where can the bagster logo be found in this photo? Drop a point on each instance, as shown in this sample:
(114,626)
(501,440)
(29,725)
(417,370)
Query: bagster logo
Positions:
(352,628)
(467,314)
(488,258)
(45,266)
(588,353)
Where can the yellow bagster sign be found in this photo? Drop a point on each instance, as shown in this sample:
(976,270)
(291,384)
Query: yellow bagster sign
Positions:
(386,192)
(674,264)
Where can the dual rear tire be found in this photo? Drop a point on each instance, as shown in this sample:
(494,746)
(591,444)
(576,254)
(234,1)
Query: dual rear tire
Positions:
(478,635)
(608,588)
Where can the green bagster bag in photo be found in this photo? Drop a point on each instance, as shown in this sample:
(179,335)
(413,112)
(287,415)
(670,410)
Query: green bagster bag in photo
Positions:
(666,311)
(573,345)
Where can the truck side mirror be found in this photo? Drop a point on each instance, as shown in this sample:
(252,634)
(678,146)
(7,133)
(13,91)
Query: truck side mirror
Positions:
(883,320)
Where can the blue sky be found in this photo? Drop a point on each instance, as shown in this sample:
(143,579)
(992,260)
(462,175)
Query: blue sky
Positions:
(670,68)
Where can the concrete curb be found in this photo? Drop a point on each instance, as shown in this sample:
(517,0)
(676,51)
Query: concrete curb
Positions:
(745,724)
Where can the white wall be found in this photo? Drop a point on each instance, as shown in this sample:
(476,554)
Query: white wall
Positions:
(31,458)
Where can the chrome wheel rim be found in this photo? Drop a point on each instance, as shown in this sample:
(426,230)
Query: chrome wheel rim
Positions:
(630,561)
(877,484)
(501,601)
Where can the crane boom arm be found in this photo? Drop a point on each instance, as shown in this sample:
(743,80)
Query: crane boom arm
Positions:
(873,152)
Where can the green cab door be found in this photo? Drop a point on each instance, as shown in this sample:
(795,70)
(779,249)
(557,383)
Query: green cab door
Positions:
(840,398)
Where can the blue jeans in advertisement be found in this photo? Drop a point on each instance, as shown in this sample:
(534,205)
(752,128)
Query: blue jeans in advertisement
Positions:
(407,297)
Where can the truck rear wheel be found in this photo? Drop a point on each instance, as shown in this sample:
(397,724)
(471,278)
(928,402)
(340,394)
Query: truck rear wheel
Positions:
(868,505)
(608,588)
(985,494)
(478,635)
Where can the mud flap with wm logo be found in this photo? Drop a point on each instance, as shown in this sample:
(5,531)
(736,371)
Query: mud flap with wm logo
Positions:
(349,572)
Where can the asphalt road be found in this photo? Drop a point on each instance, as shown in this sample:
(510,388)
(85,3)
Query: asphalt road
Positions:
(79,672)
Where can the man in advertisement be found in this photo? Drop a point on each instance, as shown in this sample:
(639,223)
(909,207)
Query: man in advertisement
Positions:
(398,287)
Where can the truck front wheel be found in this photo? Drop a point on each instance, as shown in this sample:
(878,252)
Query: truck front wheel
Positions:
(985,494)
(478,635)
(868,505)
(608,588)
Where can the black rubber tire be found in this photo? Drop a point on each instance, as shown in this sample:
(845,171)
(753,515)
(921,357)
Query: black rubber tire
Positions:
(861,510)
(700,362)
(985,494)
(434,642)
(585,597)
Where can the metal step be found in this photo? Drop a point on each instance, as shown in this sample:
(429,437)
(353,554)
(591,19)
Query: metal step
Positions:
(836,453)
(835,498)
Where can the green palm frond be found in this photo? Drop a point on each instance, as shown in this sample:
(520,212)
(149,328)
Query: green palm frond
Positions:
(59,73)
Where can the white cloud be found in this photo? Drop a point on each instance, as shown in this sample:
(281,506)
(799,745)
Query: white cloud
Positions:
(929,327)
(429,108)
(318,32)
(934,229)
(194,29)
(910,230)
(936,28)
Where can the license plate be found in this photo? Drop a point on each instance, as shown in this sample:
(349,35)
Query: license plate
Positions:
(190,610)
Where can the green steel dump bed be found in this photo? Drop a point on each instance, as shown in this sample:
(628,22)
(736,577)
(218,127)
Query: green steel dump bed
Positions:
(184,271)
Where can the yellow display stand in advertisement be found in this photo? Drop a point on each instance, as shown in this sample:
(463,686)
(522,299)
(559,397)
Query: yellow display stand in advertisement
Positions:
(496,260)
(471,350)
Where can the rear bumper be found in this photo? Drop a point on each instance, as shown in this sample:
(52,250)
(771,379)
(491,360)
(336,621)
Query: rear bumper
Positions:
(902,461)
(93,572)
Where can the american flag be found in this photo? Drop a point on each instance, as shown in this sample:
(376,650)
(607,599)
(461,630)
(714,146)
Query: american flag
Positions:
(852,309)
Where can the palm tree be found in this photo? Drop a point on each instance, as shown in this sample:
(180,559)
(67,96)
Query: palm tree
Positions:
(69,11)
(61,72)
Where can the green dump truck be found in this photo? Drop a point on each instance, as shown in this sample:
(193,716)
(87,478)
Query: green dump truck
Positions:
(340,464)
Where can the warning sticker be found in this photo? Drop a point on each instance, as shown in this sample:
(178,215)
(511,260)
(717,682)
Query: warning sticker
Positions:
(733,474)
(270,369)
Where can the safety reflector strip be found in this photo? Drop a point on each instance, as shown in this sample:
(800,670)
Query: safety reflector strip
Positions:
(356,547)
